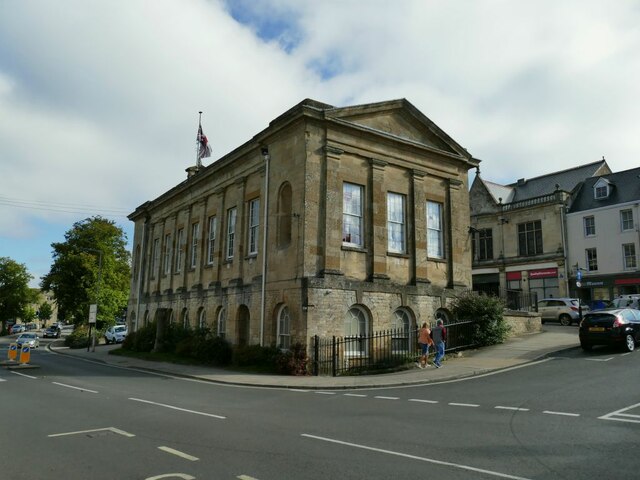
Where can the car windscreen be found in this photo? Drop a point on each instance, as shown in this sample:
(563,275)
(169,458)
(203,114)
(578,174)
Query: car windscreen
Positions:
(120,329)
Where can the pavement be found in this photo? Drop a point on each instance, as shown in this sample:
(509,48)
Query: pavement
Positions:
(514,352)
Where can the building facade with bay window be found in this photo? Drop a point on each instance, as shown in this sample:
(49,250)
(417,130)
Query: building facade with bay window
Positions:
(520,240)
(603,224)
(331,221)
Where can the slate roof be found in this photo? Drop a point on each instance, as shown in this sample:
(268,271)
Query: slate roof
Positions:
(625,187)
(499,192)
(567,180)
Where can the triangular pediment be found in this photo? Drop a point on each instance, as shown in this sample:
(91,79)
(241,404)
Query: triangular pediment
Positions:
(400,119)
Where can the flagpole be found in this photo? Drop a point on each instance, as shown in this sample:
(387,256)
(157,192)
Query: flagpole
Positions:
(198,161)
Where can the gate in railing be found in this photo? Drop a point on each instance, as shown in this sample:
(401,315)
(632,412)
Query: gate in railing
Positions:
(380,351)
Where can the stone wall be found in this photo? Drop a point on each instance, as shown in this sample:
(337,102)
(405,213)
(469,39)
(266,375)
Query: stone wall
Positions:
(522,322)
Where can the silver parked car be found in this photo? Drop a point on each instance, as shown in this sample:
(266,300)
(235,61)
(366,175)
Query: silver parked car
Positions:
(563,310)
(30,339)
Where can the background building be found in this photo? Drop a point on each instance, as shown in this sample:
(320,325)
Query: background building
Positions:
(520,241)
(365,211)
(602,225)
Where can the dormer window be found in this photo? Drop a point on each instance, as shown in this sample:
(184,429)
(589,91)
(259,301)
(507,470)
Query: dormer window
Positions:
(601,189)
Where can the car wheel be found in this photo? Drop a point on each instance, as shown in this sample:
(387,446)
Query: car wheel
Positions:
(586,346)
(629,343)
(106,340)
(565,320)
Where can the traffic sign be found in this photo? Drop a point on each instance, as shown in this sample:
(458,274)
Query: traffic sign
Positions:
(12,353)
(25,354)
(578,284)
(93,311)
(579,275)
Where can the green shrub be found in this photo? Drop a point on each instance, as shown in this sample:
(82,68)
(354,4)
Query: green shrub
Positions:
(79,338)
(173,334)
(213,350)
(254,355)
(142,340)
(293,361)
(487,311)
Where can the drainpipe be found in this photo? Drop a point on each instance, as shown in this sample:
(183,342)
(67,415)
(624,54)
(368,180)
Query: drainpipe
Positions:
(140,270)
(267,157)
(565,253)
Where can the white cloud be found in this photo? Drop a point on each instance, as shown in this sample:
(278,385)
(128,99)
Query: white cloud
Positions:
(99,100)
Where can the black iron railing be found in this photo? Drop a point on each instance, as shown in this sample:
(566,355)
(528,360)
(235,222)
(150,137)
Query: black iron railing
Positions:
(379,351)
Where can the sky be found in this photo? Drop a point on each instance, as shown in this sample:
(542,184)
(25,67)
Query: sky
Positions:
(99,99)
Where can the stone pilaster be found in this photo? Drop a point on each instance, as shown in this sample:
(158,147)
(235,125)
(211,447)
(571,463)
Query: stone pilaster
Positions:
(378,220)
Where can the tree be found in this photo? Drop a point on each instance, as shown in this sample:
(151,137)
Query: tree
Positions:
(90,266)
(44,312)
(15,294)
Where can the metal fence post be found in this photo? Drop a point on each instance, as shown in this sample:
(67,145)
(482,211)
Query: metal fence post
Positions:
(334,357)
(316,348)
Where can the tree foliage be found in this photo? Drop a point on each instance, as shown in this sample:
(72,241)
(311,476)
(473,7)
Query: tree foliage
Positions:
(90,266)
(15,294)
(45,312)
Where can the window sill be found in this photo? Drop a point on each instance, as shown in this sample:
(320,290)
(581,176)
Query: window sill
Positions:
(353,248)
(398,254)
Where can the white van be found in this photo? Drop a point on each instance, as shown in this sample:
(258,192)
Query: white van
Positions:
(627,301)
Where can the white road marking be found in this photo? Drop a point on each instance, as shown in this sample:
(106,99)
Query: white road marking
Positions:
(600,359)
(298,390)
(566,414)
(422,401)
(387,398)
(24,375)
(179,453)
(184,476)
(110,429)
(246,477)
(620,413)
(414,457)
(517,409)
(325,393)
(453,404)
(354,395)
(2,380)
(75,388)
(177,408)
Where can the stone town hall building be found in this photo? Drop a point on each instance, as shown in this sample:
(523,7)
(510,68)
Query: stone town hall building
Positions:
(366,215)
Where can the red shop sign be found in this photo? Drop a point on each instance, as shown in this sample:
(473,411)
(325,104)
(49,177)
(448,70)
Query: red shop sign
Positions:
(514,275)
(544,273)
(626,281)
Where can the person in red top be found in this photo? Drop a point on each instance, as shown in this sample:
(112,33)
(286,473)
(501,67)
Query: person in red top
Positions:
(424,339)
(439,336)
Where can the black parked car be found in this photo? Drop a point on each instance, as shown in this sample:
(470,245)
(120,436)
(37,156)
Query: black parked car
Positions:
(53,331)
(613,326)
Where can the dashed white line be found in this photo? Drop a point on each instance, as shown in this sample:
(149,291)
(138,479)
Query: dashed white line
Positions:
(325,393)
(25,375)
(566,414)
(599,359)
(179,453)
(414,457)
(177,408)
(387,398)
(354,395)
(473,405)
(422,401)
(517,409)
(75,388)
